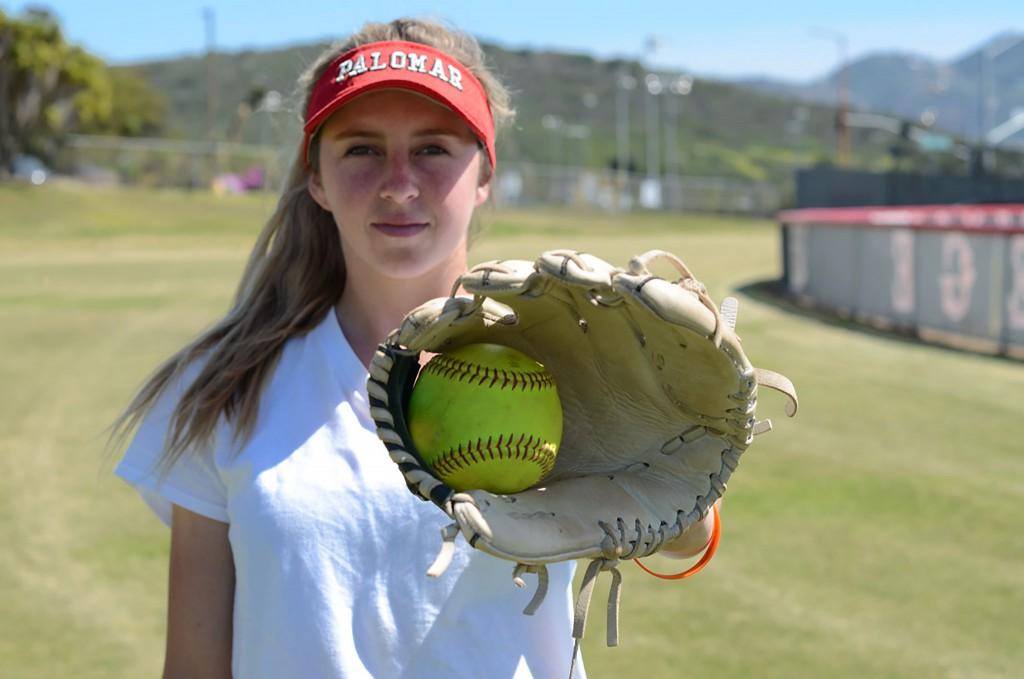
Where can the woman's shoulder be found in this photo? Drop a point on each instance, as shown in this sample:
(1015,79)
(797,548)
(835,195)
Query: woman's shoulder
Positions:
(320,355)
(313,374)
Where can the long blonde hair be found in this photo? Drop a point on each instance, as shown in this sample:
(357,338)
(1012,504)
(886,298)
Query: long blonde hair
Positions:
(294,276)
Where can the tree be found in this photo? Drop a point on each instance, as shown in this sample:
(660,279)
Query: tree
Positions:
(138,110)
(47,87)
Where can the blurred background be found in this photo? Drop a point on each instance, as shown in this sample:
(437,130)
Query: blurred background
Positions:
(853,173)
(681,107)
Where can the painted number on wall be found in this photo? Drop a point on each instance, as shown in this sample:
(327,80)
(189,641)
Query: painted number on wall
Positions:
(1015,300)
(956,280)
(901,292)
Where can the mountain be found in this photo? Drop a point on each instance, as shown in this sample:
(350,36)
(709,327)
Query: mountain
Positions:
(568,108)
(951,94)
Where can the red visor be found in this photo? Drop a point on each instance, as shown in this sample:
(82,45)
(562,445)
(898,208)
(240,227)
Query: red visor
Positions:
(403,65)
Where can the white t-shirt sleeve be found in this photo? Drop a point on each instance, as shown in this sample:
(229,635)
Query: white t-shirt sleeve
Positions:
(193,482)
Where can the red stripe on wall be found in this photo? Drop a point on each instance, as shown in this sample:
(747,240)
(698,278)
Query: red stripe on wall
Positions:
(995,219)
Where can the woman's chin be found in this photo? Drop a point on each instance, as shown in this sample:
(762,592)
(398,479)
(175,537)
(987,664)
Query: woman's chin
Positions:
(418,265)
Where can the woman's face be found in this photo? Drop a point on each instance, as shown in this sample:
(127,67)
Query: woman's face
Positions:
(401,175)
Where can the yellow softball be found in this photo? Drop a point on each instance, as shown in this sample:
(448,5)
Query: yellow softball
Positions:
(486,416)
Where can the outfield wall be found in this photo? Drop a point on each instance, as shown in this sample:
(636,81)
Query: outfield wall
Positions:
(951,274)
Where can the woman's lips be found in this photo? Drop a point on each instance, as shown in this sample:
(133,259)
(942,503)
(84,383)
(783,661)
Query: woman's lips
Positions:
(400,230)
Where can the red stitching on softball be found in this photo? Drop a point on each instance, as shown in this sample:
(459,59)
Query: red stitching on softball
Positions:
(528,450)
(461,371)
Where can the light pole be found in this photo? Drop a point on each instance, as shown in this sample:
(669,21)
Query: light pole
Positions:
(590,102)
(580,133)
(654,89)
(625,84)
(843,92)
(650,194)
(680,86)
(553,124)
(650,189)
(269,106)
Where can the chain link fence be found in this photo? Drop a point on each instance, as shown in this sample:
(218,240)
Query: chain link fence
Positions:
(171,163)
(235,168)
(528,184)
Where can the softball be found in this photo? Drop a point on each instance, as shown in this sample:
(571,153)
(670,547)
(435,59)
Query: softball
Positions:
(486,416)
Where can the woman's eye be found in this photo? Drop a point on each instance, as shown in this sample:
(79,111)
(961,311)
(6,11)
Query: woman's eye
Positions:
(359,150)
(433,150)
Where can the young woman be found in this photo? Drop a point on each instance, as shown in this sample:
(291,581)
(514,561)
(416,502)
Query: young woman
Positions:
(296,549)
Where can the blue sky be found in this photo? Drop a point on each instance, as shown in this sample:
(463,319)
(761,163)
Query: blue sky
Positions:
(708,37)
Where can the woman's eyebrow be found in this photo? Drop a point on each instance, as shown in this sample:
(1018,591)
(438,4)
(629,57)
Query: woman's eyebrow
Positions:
(371,134)
(346,134)
(435,132)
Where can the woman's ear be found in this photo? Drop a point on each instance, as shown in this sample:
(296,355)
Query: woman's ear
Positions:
(483,187)
(483,191)
(316,189)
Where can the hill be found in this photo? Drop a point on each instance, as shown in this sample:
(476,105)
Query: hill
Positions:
(571,107)
(720,128)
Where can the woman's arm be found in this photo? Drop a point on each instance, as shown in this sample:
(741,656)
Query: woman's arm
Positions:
(201,595)
(694,539)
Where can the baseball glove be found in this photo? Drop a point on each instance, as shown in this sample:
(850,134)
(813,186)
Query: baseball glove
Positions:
(658,404)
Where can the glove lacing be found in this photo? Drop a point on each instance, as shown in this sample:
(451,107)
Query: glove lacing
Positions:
(621,544)
(638,267)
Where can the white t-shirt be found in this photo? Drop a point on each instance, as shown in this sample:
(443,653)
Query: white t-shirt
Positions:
(331,549)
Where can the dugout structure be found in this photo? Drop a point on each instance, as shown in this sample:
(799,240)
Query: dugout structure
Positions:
(948,274)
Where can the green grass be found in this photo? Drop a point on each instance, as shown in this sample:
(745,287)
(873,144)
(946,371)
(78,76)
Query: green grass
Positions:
(878,534)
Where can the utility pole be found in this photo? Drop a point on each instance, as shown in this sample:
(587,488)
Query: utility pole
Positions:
(842,129)
(210,23)
(842,94)
(982,95)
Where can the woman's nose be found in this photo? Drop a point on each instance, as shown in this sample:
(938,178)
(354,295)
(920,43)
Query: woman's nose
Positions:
(400,184)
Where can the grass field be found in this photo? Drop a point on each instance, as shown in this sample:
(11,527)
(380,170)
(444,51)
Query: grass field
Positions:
(879,534)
